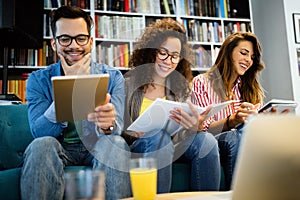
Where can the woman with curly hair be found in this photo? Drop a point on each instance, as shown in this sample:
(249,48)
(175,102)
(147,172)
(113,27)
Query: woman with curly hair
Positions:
(161,68)
(234,76)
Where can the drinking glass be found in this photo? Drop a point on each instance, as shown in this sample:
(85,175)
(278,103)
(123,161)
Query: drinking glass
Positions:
(143,177)
(85,185)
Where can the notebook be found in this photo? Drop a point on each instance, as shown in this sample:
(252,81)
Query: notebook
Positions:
(76,96)
(156,116)
(268,165)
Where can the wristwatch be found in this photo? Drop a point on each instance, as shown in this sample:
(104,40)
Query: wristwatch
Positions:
(108,130)
(111,128)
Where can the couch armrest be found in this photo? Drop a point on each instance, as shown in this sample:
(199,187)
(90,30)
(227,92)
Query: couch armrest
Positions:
(15,135)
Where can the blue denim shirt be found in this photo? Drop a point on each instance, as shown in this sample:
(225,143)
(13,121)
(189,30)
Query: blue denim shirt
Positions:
(41,112)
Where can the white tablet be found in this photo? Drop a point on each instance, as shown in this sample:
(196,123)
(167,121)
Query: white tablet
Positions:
(280,105)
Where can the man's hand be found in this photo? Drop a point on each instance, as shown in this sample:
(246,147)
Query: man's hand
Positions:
(82,67)
(104,116)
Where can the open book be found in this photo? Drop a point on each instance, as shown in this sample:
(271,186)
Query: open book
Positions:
(156,116)
(280,105)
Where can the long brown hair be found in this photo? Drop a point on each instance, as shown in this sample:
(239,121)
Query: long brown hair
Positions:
(222,71)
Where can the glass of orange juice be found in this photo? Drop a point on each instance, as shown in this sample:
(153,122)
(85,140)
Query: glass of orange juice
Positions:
(143,177)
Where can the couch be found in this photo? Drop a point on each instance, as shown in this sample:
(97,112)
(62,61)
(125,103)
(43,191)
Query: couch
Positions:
(15,136)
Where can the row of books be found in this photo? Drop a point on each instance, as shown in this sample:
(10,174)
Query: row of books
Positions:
(113,54)
(208,8)
(118,27)
(137,6)
(17,87)
(32,57)
(84,4)
(204,8)
(203,31)
(110,26)
(233,27)
(118,55)
(46,55)
(203,58)
(21,57)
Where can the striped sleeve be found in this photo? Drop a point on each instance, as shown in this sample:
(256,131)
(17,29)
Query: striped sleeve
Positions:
(203,95)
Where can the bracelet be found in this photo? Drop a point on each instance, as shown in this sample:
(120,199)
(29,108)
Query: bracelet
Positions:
(227,122)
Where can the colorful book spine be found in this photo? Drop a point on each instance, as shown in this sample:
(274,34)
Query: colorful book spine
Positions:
(167,8)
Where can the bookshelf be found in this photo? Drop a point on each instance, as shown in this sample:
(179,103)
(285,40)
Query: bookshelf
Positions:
(119,22)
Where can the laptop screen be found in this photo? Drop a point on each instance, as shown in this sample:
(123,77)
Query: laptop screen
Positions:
(268,165)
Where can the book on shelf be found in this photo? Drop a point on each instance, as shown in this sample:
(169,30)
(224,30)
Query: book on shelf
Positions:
(228,8)
(118,27)
(203,58)
(156,116)
(16,87)
(222,9)
(172,6)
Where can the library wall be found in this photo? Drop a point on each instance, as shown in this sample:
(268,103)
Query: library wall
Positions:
(273,24)
(118,23)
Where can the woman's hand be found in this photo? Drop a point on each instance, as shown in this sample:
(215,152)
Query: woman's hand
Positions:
(242,113)
(274,110)
(194,122)
(138,134)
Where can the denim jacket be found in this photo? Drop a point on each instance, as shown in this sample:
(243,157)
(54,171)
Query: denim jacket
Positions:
(39,96)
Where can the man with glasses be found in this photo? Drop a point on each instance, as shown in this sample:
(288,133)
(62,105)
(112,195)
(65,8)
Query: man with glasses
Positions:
(57,145)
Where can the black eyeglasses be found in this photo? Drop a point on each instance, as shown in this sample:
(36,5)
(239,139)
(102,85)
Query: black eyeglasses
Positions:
(66,40)
(163,54)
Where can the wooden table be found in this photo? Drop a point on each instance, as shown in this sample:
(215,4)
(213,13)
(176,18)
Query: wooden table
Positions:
(176,195)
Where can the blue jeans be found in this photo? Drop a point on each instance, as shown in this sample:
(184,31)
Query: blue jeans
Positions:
(200,150)
(229,143)
(42,174)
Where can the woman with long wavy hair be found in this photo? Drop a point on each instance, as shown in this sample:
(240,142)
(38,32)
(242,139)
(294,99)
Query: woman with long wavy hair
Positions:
(161,68)
(234,76)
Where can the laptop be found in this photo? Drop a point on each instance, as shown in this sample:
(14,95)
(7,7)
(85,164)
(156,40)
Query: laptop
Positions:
(77,96)
(268,165)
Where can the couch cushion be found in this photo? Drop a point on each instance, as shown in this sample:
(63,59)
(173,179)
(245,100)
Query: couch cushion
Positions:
(9,184)
(180,177)
(15,135)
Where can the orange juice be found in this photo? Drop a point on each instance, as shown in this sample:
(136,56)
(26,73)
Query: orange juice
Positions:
(143,183)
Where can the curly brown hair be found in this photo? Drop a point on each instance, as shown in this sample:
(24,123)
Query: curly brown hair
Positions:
(221,73)
(144,54)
